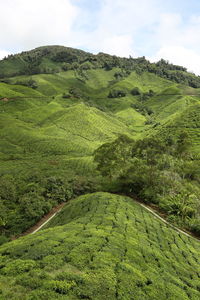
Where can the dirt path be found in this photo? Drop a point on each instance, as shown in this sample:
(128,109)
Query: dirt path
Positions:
(58,208)
(40,226)
(163,220)
(153,209)
(45,219)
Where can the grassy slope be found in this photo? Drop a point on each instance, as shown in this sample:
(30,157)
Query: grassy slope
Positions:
(60,129)
(102,246)
(52,130)
(107,246)
(64,130)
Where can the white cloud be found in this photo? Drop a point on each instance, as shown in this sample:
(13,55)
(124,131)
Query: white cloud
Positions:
(120,27)
(180,56)
(119,23)
(30,23)
(120,45)
(3,54)
(173,29)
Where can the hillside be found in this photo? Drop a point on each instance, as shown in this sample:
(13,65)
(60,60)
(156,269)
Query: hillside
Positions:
(80,129)
(54,59)
(101,246)
(52,122)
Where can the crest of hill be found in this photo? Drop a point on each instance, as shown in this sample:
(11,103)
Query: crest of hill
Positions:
(53,59)
(101,246)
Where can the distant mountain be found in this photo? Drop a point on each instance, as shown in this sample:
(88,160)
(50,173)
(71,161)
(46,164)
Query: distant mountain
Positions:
(53,59)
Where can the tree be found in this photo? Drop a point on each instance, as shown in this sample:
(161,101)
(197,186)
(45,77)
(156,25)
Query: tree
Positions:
(136,91)
(112,158)
(183,144)
(116,94)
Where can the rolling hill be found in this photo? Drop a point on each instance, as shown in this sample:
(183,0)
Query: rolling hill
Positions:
(101,246)
(58,107)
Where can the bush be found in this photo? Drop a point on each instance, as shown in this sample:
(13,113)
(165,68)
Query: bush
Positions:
(76,93)
(66,96)
(60,287)
(116,94)
(18,266)
(195,226)
(29,83)
(136,91)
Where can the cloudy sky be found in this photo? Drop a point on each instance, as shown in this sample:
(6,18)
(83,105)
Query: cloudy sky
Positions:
(168,29)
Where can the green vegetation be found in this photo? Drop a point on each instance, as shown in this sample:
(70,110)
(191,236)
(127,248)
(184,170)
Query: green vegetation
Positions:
(54,59)
(73,123)
(101,246)
(159,171)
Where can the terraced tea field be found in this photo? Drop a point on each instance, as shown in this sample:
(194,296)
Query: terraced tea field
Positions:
(102,246)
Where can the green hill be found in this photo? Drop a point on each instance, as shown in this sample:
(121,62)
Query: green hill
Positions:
(52,122)
(101,246)
(76,124)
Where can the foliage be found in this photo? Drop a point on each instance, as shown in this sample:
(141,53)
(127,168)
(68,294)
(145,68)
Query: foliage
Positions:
(53,59)
(154,170)
(116,94)
(29,199)
(99,246)
(52,138)
(136,91)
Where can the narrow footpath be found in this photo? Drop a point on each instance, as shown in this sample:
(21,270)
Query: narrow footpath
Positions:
(58,208)
(43,221)
(163,220)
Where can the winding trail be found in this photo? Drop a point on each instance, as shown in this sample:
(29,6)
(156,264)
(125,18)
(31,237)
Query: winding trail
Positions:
(40,226)
(156,215)
(58,208)
(43,221)
(163,220)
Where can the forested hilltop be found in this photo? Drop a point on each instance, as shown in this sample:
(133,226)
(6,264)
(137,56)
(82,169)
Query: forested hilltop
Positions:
(83,129)
(54,59)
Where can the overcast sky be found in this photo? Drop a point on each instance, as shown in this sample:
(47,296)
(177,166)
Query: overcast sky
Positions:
(168,29)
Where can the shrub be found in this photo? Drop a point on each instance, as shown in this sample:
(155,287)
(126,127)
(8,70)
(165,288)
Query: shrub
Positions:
(66,95)
(116,94)
(18,267)
(60,287)
(136,91)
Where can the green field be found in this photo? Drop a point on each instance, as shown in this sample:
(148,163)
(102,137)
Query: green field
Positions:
(102,246)
(73,127)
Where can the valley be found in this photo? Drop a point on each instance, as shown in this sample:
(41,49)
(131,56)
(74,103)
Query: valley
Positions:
(77,130)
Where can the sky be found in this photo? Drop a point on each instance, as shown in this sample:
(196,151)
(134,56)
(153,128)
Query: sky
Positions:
(156,29)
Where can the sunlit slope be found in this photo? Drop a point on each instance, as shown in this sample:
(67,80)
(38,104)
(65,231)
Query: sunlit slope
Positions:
(187,120)
(49,129)
(59,129)
(171,101)
(41,122)
(105,247)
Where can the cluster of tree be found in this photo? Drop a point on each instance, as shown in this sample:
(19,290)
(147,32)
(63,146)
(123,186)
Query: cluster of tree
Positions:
(64,58)
(143,96)
(158,171)
(24,201)
(142,108)
(30,83)
(116,93)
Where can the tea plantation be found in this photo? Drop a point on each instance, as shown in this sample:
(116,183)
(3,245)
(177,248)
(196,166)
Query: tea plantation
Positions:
(102,246)
(84,129)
